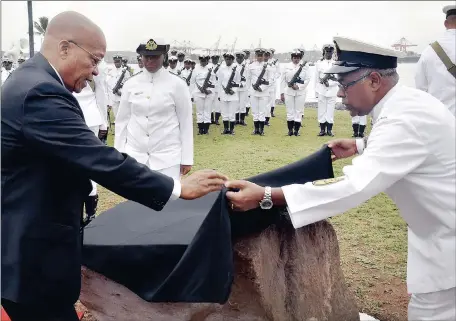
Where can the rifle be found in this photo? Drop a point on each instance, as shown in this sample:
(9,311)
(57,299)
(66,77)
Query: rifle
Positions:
(187,80)
(119,84)
(180,71)
(206,84)
(260,80)
(296,78)
(230,84)
(327,77)
(217,67)
(242,72)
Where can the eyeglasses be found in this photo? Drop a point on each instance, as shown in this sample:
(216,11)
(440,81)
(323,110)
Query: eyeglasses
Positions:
(344,87)
(96,60)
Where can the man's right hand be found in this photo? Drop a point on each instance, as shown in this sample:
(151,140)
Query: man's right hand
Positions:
(200,183)
(342,148)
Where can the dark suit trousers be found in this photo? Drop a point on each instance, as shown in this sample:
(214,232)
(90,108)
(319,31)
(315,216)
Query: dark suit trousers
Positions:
(22,312)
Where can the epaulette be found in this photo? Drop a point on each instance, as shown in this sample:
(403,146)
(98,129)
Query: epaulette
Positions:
(178,76)
(132,76)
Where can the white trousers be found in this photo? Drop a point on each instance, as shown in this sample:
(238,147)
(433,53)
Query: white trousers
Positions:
(229,110)
(295,107)
(434,306)
(115,108)
(203,108)
(259,106)
(173,171)
(271,103)
(248,102)
(95,130)
(326,107)
(216,106)
(243,98)
(362,120)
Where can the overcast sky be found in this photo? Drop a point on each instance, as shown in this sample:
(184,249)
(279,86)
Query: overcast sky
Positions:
(281,25)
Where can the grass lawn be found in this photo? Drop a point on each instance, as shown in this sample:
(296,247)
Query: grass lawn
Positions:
(372,237)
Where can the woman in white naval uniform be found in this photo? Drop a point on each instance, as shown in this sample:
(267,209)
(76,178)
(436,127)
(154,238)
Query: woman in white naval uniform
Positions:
(410,154)
(243,89)
(187,73)
(259,96)
(154,122)
(203,99)
(229,99)
(113,75)
(294,94)
(326,90)
(93,101)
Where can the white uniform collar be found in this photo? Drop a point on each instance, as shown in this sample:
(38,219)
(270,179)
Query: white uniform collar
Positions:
(153,75)
(61,80)
(376,111)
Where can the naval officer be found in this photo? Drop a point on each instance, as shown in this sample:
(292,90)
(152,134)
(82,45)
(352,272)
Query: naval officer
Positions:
(410,154)
(437,76)
(154,122)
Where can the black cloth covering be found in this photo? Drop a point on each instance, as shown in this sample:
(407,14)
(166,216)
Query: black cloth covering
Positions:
(184,252)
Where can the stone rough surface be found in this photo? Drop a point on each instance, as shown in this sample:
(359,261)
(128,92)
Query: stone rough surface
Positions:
(282,274)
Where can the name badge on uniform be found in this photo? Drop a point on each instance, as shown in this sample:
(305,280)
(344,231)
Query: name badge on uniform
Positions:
(138,93)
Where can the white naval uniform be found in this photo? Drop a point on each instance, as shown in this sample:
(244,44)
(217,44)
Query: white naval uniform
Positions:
(229,103)
(174,71)
(360,120)
(154,122)
(275,69)
(259,100)
(216,106)
(326,95)
(113,75)
(247,84)
(184,75)
(295,99)
(180,65)
(202,101)
(95,109)
(410,155)
(243,91)
(433,77)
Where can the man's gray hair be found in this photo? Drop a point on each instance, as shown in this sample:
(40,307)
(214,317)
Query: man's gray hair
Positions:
(389,73)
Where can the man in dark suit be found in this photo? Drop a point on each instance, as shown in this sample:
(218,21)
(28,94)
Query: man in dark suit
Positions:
(48,156)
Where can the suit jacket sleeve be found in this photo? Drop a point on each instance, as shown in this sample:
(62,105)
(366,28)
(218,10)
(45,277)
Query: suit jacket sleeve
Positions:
(53,124)
(184,115)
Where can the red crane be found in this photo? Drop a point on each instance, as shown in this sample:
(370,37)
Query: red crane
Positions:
(402,44)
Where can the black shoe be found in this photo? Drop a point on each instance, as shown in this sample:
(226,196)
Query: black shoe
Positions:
(361,130)
(322,129)
(329,129)
(238,118)
(247,110)
(262,123)
(355,130)
(290,125)
(297,126)
(267,121)
(91,204)
(212,118)
(256,131)
(272,112)
(200,129)
(217,117)
(232,127)
(242,121)
(226,125)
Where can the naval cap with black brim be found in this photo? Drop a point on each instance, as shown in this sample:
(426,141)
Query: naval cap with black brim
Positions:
(354,54)
(449,10)
(153,47)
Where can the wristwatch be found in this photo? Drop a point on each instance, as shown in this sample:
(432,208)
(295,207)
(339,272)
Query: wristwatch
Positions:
(266,202)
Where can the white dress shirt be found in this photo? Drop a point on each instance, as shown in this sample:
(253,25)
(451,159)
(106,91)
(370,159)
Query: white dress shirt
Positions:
(93,103)
(198,78)
(113,75)
(154,121)
(320,67)
(410,155)
(433,77)
(289,71)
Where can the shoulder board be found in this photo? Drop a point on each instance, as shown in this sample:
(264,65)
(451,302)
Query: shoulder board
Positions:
(132,77)
(178,76)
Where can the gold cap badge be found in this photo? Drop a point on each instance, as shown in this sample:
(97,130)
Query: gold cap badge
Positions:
(151,45)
